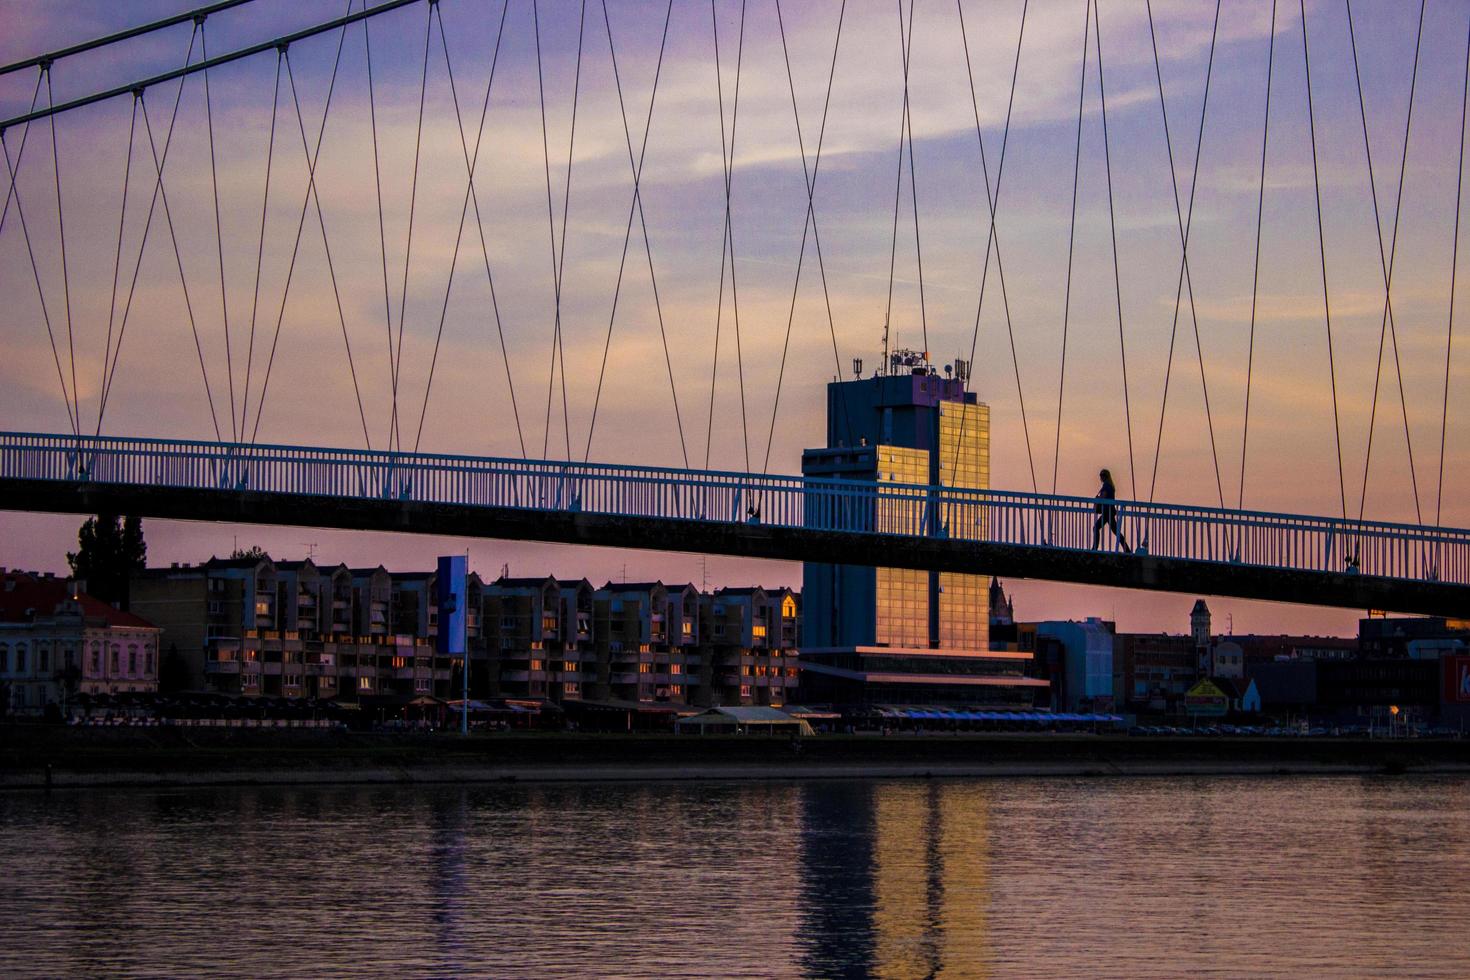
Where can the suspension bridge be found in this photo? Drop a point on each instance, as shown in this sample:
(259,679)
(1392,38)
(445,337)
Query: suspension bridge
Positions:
(393,484)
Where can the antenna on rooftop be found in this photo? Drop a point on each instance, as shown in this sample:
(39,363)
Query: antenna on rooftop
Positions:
(310,547)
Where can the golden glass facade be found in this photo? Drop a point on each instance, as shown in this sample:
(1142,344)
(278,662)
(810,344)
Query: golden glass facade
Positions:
(902,594)
(964,461)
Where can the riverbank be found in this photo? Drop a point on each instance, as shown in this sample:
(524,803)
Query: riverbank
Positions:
(37,756)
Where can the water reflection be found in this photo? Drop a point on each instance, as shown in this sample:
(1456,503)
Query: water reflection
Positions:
(893,879)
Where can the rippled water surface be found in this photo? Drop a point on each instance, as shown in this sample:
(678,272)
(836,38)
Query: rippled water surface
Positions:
(1229,877)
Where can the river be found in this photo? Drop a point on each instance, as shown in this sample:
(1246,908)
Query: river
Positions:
(1229,876)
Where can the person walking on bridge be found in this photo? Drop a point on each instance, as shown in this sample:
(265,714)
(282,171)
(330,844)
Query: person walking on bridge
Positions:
(1107,513)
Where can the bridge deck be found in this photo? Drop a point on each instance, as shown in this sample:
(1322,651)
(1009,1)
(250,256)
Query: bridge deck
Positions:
(1249,554)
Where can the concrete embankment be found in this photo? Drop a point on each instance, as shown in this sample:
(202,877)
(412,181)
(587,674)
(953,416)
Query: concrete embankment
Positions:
(35,756)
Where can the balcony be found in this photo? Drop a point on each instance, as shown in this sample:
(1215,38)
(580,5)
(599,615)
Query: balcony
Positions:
(623,678)
(222,666)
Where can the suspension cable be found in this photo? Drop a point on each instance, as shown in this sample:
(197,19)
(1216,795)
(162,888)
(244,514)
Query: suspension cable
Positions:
(992,238)
(20,152)
(44,60)
(908,122)
(326,246)
(1454,267)
(40,292)
(471,161)
(395,438)
(810,221)
(367,45)
(265,197)
(1113,229)
(1256,276)
(122,214)
(14,191)
(1322,253)
(168,140)
(311,158)
(1186,277)
(219,237)
(905,43)
(179,260)
(1071,238)
(1387,264)
(65,273)
(558,250)
(636,205)
(727,236)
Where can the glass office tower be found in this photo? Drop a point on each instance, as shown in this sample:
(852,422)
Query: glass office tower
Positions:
(900,635)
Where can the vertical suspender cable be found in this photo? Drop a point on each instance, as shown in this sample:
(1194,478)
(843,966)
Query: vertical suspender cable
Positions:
(1113,228)
(21,150)
(219,238)
(905,43)
(270,149)
(1454,267)
(908,121)
(1071,239)
(179,260)
(367,45)
(1387,263)
(65,274)
(40,291)
(471,162)
(1322,252)
(809,222)
(727,235)
(634,207)
(992,238)
(810,178)
(395,437)
(1256,276)
(311,158)
(168,140)
(122,215)
(558,250)
(1185,221)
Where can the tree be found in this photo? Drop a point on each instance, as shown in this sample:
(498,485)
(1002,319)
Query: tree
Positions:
(254,551)
(109,550)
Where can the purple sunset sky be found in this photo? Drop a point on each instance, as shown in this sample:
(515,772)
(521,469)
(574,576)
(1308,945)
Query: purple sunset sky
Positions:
(1291,462)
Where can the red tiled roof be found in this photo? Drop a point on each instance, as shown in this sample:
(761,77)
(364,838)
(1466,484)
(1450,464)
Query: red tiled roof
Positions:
(20,592)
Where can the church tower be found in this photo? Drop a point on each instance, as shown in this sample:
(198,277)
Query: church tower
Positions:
(1199,627)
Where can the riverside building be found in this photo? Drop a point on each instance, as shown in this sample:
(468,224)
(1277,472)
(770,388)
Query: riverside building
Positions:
(889,635)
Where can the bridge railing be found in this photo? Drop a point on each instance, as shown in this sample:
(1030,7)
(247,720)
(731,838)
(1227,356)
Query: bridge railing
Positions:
(882,509)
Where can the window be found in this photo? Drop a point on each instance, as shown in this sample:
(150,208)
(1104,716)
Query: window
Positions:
(20,659)
(538,665)
(116,655)
(364,683)
(645,668)
(148,662)
(96,659)
(4,658)
(70,656)
(43,659)
(676,668)
(132,660)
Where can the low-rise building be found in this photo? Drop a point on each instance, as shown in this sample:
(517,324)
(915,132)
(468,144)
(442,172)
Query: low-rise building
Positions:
(56,641)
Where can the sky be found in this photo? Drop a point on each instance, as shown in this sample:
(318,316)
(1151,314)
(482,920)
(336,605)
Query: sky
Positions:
(389,280)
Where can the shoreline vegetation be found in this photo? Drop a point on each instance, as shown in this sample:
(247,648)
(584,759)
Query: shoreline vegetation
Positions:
(35,756)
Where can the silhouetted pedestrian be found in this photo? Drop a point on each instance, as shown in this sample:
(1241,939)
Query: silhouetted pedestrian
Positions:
(1107,512)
